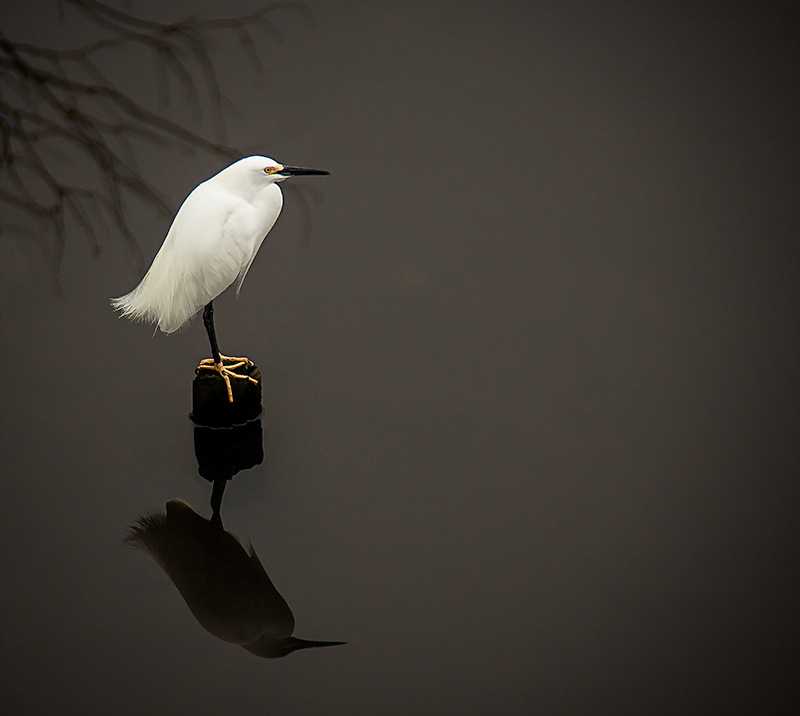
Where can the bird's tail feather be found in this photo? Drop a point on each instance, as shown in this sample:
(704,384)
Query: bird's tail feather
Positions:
(163,297)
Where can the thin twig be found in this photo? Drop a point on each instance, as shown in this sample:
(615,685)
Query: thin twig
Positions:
(61,98)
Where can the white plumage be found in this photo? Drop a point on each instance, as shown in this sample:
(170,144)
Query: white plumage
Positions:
(212,242)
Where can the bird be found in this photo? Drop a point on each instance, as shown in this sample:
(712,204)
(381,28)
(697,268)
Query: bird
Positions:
(211,243)
(224,585)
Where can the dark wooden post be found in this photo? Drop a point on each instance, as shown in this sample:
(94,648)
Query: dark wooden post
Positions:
(211,405)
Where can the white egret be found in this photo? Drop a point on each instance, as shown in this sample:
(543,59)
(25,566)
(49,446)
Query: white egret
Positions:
(212,242)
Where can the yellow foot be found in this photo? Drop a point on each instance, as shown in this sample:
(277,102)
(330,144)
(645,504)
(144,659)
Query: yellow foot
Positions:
(227,372)
(210,361)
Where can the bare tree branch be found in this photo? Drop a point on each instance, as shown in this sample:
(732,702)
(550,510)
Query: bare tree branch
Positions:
(59,102)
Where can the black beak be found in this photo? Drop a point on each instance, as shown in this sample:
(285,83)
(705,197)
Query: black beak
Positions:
(300,171)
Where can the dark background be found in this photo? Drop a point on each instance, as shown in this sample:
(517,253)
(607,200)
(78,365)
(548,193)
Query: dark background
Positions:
(531,387)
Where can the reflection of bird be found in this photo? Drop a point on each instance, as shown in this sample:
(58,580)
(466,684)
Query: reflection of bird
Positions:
(224,585)
(212,242)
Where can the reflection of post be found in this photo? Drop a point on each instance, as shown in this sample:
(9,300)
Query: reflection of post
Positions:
(223,452)
(225,586)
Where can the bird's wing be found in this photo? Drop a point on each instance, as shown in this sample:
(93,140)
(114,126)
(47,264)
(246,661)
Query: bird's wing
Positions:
(256,224)
(193,266)
(246,267)
(213,240)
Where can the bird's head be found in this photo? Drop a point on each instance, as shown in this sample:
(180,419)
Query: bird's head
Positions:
(265,170)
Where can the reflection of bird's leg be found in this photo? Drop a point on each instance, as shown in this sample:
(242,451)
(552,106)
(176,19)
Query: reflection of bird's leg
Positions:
(217,362)
(216,500)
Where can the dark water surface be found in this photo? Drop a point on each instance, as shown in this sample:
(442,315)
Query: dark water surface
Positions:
(531,389)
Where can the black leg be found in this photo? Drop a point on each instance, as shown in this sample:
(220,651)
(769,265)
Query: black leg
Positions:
(208,322)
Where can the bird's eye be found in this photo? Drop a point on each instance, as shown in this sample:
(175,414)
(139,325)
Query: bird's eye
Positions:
(270,170)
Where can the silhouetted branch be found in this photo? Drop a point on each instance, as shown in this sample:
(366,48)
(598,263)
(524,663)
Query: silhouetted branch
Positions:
(53,100)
